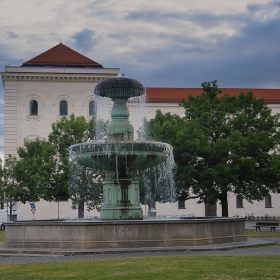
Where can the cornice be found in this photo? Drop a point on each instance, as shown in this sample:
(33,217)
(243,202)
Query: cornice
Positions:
(29,77)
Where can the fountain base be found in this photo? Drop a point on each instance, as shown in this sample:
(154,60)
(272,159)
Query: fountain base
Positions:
(95,234)
(121,213)
(121,200)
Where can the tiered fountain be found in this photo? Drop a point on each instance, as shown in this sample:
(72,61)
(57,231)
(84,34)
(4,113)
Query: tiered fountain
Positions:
(122,224)
(120,156)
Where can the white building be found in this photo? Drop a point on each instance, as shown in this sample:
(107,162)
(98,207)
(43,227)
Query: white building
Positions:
(60,82)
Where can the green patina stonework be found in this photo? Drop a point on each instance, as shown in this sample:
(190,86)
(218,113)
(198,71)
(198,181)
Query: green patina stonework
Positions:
(121,157)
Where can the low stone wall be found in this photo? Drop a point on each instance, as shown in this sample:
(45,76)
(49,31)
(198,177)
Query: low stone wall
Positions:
(124,234)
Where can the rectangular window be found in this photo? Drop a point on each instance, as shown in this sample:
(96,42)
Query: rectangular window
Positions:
(267,201)
(239,201)
(181,204)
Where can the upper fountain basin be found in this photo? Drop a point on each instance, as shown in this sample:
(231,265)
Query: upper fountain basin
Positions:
(129,155)
(119,88)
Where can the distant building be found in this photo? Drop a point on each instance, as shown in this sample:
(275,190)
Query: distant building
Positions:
(60,82)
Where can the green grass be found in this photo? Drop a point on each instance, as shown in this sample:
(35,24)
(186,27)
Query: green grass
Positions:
(262,234)
(2,235)
(198,267)
(175,267)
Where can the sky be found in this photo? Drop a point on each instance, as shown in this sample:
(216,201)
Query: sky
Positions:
(178,43)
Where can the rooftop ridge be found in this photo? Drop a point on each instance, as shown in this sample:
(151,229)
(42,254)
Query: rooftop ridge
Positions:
(61,56)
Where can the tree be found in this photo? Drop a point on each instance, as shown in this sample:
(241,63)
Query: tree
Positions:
(41,170)
(35,172)
(223,144)
(67,132)
(9,187)
(85,187)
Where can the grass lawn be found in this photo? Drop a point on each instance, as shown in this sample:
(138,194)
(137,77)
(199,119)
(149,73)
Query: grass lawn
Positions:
(2,235)
(260,234)
(175,267)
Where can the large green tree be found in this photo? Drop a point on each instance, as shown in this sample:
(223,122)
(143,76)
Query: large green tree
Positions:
(41,170)
(36,173)
(9,186)
(83,189)
(223,144)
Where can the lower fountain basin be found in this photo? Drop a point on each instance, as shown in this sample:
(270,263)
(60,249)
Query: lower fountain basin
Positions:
(131,155)
(95,234)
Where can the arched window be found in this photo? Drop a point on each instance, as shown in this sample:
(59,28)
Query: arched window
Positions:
(33,108)
(91,108)
(267,201)
(63,108)
(239,201)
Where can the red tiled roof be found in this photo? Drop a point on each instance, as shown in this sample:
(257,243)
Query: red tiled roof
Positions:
(61,55)
(177,94)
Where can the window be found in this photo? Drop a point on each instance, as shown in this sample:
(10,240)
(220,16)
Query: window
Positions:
(267,201)
(33,108)
(91,109)
(63,108)
(181,204)
(239,201)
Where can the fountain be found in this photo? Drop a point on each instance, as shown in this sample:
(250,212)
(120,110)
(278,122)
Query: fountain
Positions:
(120,156)
(121,223)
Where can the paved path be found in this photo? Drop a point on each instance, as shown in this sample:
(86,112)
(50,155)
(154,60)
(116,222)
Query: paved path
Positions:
(253,246)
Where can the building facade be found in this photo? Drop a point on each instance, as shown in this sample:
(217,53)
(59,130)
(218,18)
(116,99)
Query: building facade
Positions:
(60,82)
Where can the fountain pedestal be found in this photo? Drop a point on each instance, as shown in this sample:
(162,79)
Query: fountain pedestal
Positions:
(121,200)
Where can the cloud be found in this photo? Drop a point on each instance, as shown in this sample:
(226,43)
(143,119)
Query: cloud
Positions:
(85,39)
(117,36)
(12,35)
(162,43)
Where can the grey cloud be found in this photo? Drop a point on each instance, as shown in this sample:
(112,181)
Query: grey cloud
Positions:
(202,19)
(253,71)
(98,8)
(263,30)
(257,7)
(117,36)
(84,39)
(144,15)
(206,20)
(276,3)
(12,35)
(255,37)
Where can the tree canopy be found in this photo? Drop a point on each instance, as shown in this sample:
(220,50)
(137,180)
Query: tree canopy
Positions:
(222,144)
(41,170)
(37,174)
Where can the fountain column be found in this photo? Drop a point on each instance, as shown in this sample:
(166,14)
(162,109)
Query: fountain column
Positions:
(121,200)
(121,191)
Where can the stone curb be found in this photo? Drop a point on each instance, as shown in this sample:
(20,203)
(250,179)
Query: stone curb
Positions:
(251,242)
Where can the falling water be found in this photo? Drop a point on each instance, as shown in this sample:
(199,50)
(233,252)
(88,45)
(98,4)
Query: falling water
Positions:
(150,161)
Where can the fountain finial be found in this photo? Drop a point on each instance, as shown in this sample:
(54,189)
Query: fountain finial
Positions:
(119,90)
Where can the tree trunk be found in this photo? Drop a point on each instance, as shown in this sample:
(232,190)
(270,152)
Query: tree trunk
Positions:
(224,203)
(81,209)
(11,209)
